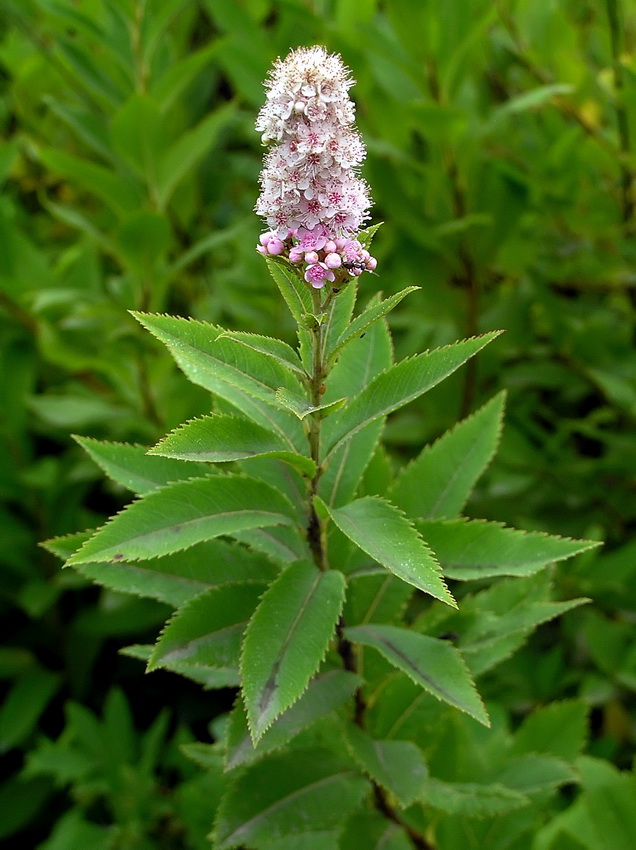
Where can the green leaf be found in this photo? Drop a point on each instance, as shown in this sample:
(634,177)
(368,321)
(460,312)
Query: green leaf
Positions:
(298,299)
(532,99)
(287,794)
(338,317)
(366,319)
(383,532)
(371,830)
(219,438)
(245,378)
(294,291)
(438,483)
(604,812)
(494,623)
(401,384)
(472,800)
(207,630)
(131,467)
(535,773)
(120,194)
(175,578)
(357,365)
(301,407)
(185,513)
(398,766)
(286,640)
(88,127)
(210,678)
(433,664)
(375,598)
(558,729)
(138,135)
(167,87)
(144,238)
(23,705)
(270,347)
(475,549)
(183,155)
(324,694)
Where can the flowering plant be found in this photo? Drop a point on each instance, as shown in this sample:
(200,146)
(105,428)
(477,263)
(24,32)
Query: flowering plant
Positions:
(311,576)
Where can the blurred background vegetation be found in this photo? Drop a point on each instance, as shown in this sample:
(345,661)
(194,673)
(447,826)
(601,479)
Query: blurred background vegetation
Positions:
(501,140)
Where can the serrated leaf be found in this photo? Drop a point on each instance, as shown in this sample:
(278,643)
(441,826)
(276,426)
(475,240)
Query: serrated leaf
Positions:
(398,766)
(182,514)
(558,729)
(433,664)
(603,813)
(369,829)
(207,630)
(438,483)
(287,794)
(209,678)
(296,295)
(270,347)
(533,773)
(401,384)
(282,543)
(472,800)
(287,639)
(245,378)
(324,694)
(301,407)
(476,549)
(219,438)
(383,532)
(375,599)
(365,237)
(356,367)
(176,578)
(338,316)
(494,623)
(314,840)
(131,466)
(363,322)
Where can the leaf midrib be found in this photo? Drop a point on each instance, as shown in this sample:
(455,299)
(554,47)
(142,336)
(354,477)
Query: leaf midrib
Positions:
(307,789)
(283,520)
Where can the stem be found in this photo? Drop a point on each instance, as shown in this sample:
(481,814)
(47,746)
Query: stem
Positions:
(316,389)
(315,538)
(627,177)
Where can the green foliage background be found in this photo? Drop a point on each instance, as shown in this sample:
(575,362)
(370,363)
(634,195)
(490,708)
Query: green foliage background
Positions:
(500,141)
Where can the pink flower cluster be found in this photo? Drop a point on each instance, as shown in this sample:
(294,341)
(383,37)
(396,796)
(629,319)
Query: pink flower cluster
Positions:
(310,173)
(327,259)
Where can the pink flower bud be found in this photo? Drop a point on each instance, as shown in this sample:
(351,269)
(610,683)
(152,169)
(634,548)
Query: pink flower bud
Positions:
(371,264)
(275,246)
(333,261)
(330,247)
(295,254)
(311,258)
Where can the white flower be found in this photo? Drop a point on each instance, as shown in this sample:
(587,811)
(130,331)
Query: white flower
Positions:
(310,173)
